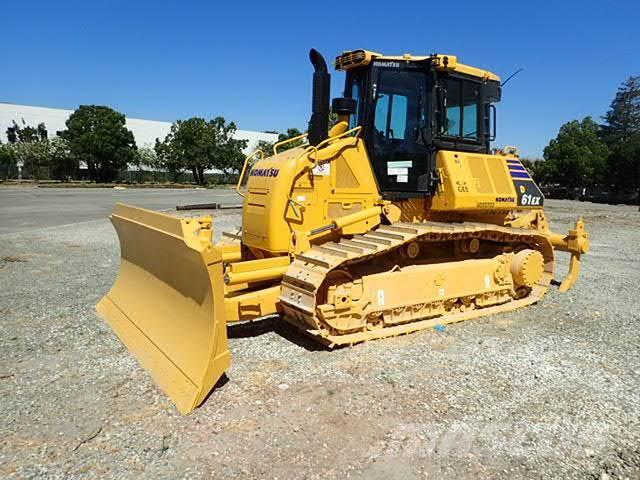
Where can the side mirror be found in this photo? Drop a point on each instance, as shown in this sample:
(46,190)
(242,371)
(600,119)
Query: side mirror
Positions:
(344,106)
(492,91)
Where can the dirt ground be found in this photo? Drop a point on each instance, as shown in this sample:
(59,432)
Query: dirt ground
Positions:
(547,392)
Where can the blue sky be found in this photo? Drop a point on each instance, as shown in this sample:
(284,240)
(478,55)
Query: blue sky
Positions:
(247,61)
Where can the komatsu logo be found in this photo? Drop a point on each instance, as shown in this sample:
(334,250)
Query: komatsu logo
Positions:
(390,64)
(505,199)
(265,172)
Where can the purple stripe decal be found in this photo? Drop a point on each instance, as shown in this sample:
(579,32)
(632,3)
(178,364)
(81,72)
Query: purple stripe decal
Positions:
(520,175)
(517,168)
(517,162)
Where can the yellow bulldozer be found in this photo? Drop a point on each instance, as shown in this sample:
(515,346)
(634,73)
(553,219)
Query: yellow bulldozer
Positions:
(398,218)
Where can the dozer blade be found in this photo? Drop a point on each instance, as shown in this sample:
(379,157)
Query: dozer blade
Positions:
(167,303)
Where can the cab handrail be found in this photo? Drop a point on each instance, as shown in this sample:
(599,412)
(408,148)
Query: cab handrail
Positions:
(244,168)
(314,148)
(288,140)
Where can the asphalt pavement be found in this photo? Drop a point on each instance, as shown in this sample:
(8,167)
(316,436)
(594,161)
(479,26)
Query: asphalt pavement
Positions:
(31,208)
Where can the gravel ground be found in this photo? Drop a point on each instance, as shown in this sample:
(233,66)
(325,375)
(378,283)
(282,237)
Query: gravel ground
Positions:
(546,392)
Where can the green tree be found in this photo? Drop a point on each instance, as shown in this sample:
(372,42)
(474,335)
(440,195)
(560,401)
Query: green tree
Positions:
(26,133)
(624,164)
(145,159)
(231,157)
(175,166)
(33,156)
(26,145)
(188,146)
(32,147)
(63,165)
(291,133)
(266,147)
(623,118)
(544,172)
(536,168)
(98,135)
(42,131)
(576,157)
(8,160)
(622,133)
(198,145)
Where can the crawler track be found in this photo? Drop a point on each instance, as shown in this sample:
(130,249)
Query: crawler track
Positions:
(305,284)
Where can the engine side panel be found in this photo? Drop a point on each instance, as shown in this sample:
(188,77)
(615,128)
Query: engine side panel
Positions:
(480,182)
(284,193)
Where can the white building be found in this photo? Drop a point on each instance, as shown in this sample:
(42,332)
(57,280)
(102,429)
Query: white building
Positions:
(144,131)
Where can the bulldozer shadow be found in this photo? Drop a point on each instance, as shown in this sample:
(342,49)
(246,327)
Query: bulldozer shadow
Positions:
(222,381)
(274,323)
(264,325)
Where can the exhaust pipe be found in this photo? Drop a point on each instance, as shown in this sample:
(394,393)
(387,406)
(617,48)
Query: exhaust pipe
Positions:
(319,122)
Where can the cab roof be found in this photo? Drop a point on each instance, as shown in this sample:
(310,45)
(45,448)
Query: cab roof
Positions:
(358,58)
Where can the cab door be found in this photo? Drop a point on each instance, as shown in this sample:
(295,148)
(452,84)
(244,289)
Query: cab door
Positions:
(398,128)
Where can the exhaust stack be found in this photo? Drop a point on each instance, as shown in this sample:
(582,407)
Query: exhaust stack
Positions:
(319,122)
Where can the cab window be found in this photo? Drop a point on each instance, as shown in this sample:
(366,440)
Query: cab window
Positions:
(462,108)
(391,115)
(354,90)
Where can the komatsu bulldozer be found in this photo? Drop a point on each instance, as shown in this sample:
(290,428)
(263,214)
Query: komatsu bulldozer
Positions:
(398,218)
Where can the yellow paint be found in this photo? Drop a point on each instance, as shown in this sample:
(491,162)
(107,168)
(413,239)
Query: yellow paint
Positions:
(249,305)
(303,189)
(256,270)
(359,58)
(167,303)
(473,182)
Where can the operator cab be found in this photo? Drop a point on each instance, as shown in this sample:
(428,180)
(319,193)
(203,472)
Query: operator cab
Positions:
(411,107)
